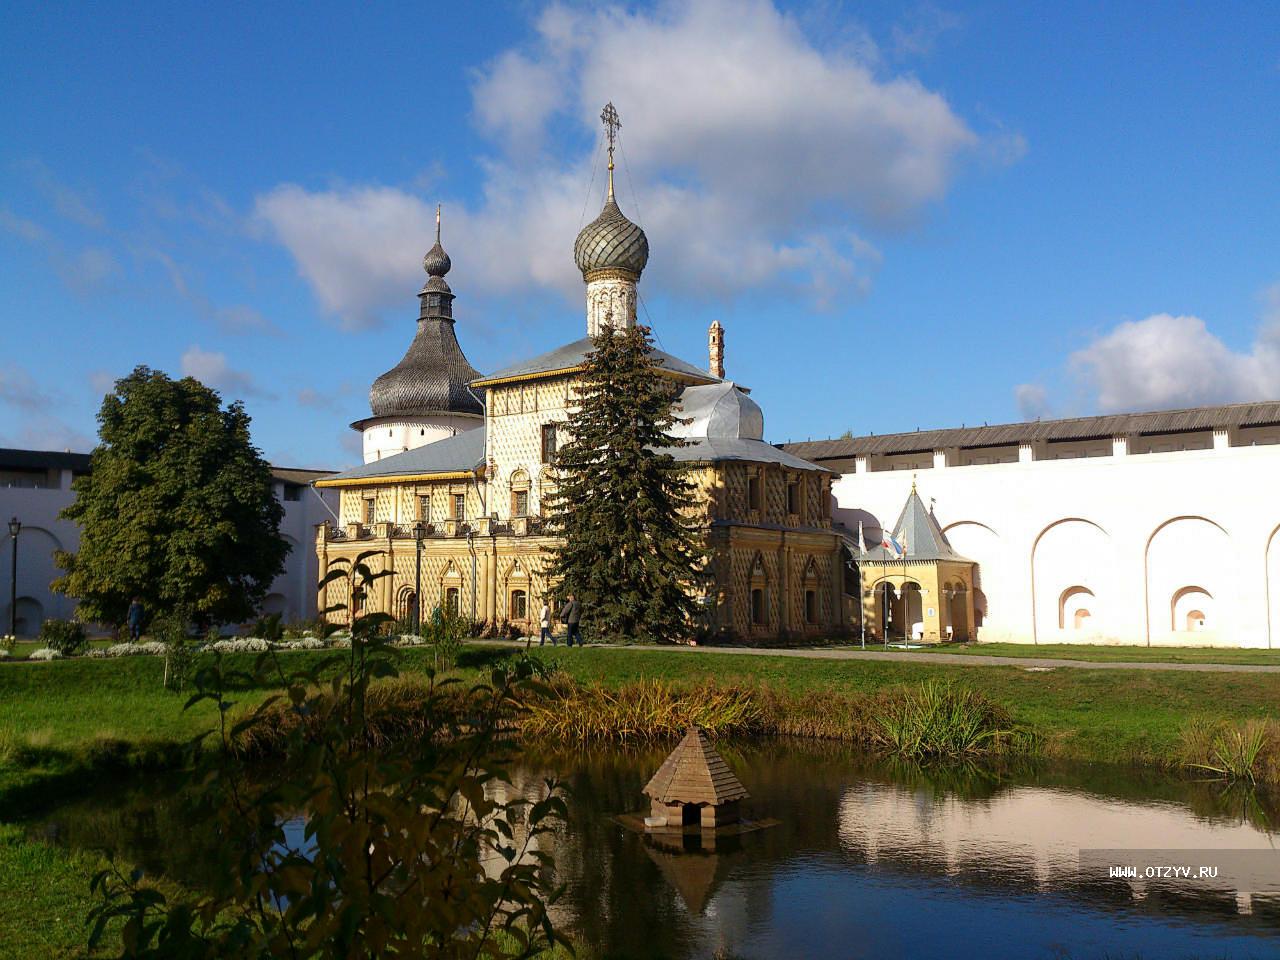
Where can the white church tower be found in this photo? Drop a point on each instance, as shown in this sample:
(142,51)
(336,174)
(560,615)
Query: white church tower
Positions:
(425,396)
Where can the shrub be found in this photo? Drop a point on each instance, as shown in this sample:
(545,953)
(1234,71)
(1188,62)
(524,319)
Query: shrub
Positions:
(150,648)
(241,645)
(942,720)
(1248,752)
(65,636)
(268,628)
(444,631)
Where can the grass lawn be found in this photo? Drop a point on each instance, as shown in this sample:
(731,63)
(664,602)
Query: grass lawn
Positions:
(1100,654)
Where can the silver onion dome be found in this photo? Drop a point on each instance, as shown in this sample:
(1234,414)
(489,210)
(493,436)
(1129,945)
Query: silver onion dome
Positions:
(611,242)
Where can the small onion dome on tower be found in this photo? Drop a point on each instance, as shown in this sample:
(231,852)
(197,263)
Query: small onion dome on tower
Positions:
(432,377)
(611,241)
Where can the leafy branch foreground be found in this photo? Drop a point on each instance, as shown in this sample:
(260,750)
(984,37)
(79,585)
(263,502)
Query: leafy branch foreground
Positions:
(409,848)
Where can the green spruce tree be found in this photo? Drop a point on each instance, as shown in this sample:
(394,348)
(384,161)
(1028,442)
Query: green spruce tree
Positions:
(177,508)
(629,550)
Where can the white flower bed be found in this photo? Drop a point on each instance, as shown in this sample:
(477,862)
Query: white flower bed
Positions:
(98,653)
(151,648)
(241,645)
(306,643)
(408,640)
(45,653)
(4,654)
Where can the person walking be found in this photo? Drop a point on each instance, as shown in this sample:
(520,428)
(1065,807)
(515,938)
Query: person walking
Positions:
(571,616)
(544,621)
(135,619)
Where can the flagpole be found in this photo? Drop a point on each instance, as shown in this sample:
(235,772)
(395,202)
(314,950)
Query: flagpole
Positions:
(862,613)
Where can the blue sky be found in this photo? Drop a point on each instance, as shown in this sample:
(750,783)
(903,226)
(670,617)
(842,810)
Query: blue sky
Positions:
(906,216)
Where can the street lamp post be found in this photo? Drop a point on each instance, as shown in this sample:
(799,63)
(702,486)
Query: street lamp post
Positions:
(15,527)
(419,533)
(471,547)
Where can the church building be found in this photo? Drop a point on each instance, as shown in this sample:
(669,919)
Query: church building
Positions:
(458,466)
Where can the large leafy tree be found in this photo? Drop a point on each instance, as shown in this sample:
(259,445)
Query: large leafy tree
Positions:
(177,507)
(629,549)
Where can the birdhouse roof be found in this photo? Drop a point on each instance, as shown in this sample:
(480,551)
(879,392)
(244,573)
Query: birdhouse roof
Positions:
(695,773)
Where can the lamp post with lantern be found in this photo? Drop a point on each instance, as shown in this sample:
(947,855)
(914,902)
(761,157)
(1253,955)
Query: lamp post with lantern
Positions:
(419,534)
(15,527)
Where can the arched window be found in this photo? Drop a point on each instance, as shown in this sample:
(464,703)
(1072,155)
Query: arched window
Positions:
(519,605)
(759,593)
(1076,608)
(1191,609)
(452,600)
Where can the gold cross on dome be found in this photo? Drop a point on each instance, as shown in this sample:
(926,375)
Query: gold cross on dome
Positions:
(611,125)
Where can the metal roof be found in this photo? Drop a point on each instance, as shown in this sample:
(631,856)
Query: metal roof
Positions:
(297,476)
(714,449)
(13,459)
(919,532)
(574,354)
(456,454)
(718,410)
(611,242)
(1259,414)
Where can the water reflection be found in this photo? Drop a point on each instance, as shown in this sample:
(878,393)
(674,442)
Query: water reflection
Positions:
(870,860)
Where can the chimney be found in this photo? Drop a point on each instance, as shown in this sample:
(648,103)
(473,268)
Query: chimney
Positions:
(715,349)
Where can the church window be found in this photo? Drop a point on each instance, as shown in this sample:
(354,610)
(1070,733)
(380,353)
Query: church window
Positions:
(422,432)
(519,605)
(293,494)
(459,506)
(548,443)
(793,497)
(753,491)
(810,606)
(424,506)
(452,597)
(368,511)
(757,607)
(520,503)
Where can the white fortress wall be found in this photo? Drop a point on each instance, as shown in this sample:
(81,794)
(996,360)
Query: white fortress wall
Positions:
(1102,543)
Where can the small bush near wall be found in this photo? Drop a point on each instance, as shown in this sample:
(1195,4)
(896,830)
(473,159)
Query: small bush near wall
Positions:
(65,636)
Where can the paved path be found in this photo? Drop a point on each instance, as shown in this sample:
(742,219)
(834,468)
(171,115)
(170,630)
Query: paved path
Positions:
(945,659)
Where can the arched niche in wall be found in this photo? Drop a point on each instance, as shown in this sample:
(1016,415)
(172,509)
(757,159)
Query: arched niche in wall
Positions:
(981,544)
(1073,553)
(1189,565)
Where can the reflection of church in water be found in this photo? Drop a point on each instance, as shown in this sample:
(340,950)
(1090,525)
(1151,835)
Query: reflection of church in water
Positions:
(1147,528)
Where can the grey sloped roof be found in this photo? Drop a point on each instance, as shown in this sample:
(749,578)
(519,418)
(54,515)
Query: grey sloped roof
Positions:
(713,449)
(1265,413)
(575,354)
(431,378)
(298,476)
(718,410)
(452,455)
(922,533)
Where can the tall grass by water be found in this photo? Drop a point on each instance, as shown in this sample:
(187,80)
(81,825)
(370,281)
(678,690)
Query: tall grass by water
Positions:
(1244,752)
(918,721)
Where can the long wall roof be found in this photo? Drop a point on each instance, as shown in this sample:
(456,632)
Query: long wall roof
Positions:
(1192,419)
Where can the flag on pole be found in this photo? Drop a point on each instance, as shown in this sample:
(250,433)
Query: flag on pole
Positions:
(892,545)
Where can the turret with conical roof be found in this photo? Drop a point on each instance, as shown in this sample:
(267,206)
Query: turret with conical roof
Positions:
(425,397)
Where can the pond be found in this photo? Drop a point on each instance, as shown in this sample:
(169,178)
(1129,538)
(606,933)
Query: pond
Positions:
(869,859)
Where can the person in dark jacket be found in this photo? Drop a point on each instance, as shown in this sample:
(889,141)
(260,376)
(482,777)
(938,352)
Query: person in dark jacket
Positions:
(571,616)
(135,619)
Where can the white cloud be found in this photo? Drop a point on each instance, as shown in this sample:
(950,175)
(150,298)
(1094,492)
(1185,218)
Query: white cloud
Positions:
(212,369)
(759,157)
(18,389)
(1032,400)
(1176,361)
